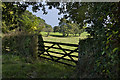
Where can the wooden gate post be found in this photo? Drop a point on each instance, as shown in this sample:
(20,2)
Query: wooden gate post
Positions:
(78,64)
(41,48)
(79,51)
(35,46)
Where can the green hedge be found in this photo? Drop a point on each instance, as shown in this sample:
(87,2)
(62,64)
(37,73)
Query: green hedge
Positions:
(21,44)
(95,61)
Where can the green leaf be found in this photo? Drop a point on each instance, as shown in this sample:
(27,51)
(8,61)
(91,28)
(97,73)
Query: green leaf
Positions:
(109,37)
(115,49)
(103,71)
(103,53)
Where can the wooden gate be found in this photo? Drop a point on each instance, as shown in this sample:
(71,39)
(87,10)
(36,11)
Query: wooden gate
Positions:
(59,53)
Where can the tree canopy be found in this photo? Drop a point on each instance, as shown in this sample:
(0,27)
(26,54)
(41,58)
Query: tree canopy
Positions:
(56,28)
(31,23)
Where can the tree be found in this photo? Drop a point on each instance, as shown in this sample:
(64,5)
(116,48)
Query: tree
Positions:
(11,11)
(14,17)
(67,27)
(48,29)
(56,29)
(74,28)
(30,23)
(63,26)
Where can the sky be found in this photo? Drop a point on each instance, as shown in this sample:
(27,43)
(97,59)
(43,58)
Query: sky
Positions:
(50,18)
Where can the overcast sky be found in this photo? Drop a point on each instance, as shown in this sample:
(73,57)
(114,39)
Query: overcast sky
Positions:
(51,18)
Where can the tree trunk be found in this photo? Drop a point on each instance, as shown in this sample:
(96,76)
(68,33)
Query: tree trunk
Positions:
(75,34)
(67,35)
(63,34)
(48,34)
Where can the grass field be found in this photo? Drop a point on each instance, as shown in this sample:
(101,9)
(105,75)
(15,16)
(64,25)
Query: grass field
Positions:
(57,37)
(19,67)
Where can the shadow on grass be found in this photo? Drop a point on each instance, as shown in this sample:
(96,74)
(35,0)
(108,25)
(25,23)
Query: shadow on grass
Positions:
(38,69)
(57,35)
(62,36)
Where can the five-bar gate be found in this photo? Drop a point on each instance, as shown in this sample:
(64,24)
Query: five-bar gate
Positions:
(60,52)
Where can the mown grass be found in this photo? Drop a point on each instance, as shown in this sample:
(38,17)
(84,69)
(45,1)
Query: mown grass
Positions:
(57,37)
(18,67)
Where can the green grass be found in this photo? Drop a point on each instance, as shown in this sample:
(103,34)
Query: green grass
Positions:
(57,37)
(18,67)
